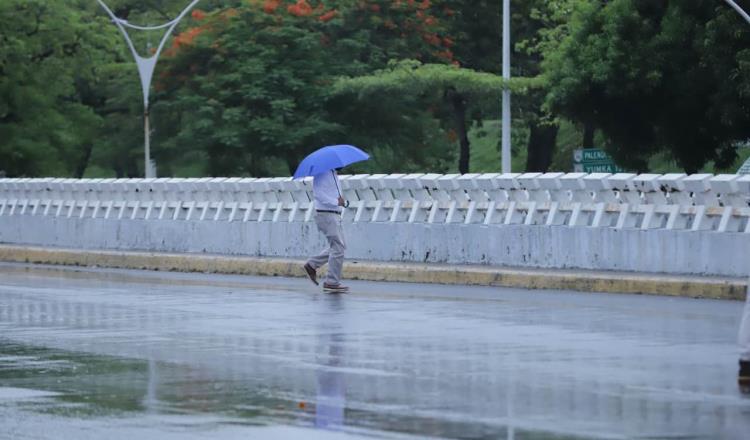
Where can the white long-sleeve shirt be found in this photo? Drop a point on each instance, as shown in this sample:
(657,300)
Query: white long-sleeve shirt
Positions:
(326,190)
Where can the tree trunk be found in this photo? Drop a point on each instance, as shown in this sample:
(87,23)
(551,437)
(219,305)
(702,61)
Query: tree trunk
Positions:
(541,147)
(84,162)
(292,161)
(132,170)
(588,135)
(458,101)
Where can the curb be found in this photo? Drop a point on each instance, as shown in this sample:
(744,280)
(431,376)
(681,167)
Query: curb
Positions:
(582,281)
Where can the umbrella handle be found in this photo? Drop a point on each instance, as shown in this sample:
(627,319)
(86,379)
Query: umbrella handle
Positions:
(336,182)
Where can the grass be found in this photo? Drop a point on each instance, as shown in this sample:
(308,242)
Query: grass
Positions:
(485,148)
(485,154)
(485,151)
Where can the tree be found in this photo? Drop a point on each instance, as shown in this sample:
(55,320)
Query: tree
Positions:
(656,76)
(46,58)
(457,87)
(477,27)
(538,25)
(250,87)
(69,87)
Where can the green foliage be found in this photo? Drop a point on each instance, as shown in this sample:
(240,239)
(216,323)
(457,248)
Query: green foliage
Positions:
(410,76)
(47,63)
(248,87)
(485,146)
(253,86)
(655,76)
(463,90)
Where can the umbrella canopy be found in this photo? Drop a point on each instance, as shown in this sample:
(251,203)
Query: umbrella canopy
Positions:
(329,158)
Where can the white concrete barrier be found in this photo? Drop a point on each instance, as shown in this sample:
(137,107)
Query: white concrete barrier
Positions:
(472,206)
(623,201)
(647,201)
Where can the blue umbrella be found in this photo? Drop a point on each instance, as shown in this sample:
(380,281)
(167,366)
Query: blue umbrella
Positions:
(329,158)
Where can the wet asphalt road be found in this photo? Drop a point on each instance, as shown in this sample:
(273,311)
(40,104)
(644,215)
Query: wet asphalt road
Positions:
(91,354)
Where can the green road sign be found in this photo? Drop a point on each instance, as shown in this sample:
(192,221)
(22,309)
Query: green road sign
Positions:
(594,160)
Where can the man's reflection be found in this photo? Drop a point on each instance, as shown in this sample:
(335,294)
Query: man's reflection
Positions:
(331,400)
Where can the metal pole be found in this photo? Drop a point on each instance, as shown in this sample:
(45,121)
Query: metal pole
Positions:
(146,66)
(506,92)
(149,172)
(739,10)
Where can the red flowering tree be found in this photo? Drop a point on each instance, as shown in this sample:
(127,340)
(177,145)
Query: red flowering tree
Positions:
(250,87)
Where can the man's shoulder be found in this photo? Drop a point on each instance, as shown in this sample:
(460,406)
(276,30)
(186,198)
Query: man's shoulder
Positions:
(324,177)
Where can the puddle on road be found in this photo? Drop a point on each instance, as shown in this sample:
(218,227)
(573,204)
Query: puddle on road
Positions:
(16,394)
(41,386)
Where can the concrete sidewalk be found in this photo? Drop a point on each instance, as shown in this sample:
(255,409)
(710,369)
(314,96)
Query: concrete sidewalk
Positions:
(555,279)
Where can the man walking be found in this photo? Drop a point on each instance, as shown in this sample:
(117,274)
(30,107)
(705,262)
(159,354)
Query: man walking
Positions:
(328,206)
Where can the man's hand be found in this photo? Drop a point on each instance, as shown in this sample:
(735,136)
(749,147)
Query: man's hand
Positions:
(342,202)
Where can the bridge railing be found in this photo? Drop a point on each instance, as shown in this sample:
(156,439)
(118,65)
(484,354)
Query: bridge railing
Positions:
(643,201)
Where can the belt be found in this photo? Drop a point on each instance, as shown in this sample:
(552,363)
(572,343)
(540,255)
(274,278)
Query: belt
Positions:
(327,212)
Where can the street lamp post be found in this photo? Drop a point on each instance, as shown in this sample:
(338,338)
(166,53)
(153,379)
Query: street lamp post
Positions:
(739,10)
(146,66)
(506,90)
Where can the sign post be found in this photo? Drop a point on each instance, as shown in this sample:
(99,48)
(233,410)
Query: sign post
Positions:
(594,160)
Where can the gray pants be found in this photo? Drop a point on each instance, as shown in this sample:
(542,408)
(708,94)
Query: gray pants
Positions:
(744,337)
(330,225)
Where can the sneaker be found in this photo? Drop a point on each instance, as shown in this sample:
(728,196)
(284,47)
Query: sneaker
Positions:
(335,288)
(743,378)
(311,274)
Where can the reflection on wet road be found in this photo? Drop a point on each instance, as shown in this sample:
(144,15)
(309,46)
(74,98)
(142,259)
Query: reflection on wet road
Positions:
(126,354)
